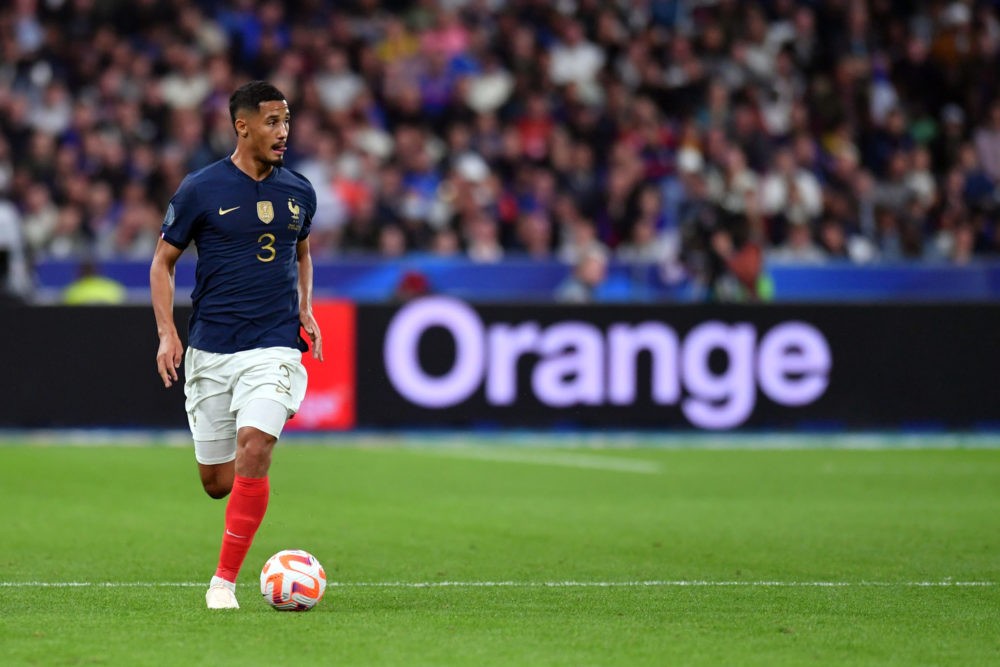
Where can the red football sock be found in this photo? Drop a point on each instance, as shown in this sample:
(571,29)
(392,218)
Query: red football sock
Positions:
(244,512)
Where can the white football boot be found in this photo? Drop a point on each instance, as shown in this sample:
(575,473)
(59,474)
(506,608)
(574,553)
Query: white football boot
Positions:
(221,595)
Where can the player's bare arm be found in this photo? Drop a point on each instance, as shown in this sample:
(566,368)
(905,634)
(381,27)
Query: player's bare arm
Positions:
(161,287)
(305,299)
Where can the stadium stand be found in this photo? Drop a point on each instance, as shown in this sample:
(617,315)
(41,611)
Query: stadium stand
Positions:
(711,144)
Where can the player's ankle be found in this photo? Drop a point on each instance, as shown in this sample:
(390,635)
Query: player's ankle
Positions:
(222,581)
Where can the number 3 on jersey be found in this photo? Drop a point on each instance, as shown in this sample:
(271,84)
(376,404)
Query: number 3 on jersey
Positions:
(268,252)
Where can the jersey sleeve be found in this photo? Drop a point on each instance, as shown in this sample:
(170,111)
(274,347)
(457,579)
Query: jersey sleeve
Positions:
(310,206)
(182,215)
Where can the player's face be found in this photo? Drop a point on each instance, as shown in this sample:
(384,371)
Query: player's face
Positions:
(268,132)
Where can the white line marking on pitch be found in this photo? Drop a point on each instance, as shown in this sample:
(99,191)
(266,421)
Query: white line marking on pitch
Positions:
(565,460)
(527,584)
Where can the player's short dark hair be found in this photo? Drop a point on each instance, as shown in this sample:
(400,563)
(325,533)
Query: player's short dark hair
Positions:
(250,95)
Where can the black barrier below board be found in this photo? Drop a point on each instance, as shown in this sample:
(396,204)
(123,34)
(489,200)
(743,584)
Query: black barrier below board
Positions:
(85,366)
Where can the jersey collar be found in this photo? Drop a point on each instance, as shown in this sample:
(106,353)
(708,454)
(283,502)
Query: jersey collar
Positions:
(232,165)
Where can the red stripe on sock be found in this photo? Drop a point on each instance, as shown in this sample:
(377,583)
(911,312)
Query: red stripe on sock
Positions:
(244,512)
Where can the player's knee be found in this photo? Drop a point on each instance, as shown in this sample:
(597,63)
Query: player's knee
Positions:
(217,480)
(253,457)
(216,489)
(257,447)
(258,425)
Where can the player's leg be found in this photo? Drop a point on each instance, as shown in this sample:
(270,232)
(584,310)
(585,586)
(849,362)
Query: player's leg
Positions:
(211,419)
(254,443)
(259,423)
(209,401)
(268,390)
(217,478)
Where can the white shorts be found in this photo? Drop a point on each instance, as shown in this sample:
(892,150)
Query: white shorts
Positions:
(219,386)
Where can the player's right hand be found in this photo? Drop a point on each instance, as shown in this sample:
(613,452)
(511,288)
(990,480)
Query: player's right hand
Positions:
(168,358)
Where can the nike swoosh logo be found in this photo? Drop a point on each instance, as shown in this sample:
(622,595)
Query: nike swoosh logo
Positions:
(229,532)
(223,211)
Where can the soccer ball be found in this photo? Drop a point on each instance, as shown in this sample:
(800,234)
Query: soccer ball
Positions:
(292,580)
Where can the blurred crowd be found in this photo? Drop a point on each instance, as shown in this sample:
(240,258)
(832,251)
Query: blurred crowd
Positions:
(706,137)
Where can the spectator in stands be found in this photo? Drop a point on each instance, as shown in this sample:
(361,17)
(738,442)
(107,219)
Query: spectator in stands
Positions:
(733,182)
(987,141)
(93,289)
(534,234)
(319,165)
(574,59)
(790,191)
(15,282)
(589,273)
(445,243)
(799,247)
(68,239)
(978,187)
(40,218)
(949,138)
(650,240)
(892,190)
(833,239)
(578,233)
(963,245)
(337,85)
(482,238)
(391,241)
(919,178)
(412,285)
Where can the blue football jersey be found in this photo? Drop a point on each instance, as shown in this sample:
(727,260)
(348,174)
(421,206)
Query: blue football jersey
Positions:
(245,232)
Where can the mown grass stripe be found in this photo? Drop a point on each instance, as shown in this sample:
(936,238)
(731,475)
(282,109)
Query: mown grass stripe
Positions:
(695,583)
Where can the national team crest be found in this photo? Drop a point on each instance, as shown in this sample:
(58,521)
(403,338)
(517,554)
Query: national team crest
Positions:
(265,211)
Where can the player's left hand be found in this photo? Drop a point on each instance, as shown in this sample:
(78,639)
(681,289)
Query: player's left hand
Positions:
(312,330)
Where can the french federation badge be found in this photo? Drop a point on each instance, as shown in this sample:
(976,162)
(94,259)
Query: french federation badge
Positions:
(265,211)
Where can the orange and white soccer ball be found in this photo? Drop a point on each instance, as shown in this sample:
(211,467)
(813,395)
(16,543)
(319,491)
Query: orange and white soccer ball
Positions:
(292,580)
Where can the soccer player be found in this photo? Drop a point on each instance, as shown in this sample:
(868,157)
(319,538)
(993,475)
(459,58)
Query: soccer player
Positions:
(249,217)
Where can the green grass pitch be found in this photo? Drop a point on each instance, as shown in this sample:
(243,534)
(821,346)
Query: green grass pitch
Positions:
(495,553)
